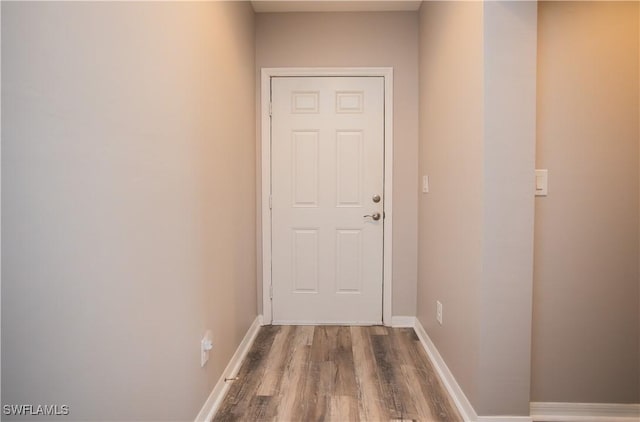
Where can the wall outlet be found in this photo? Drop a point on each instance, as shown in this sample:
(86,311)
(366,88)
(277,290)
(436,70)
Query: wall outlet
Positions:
(206,344)
(439,311)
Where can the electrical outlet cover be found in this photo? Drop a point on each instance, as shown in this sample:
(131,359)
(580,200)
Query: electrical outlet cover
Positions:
(205,347)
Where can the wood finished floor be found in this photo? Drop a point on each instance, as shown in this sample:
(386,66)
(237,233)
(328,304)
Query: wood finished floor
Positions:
(330,373)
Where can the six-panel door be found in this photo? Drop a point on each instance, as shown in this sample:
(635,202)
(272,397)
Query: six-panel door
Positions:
(327,149)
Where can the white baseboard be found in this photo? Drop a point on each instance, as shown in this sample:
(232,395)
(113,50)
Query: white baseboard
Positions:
(403,321)
(210,407)
(450,384)
(504,419)
(320,322)
(584,412)
(460,400)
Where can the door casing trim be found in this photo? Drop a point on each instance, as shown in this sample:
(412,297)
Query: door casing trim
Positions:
(265,90)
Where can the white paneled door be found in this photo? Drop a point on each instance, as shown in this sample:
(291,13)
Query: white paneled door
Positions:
(327,152)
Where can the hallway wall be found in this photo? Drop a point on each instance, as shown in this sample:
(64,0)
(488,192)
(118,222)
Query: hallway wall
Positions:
(384,39)
(477,145)
(128,202)
(585,325)
(451,153)
(585,340)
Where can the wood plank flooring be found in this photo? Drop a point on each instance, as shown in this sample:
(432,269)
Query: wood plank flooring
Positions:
(332,373)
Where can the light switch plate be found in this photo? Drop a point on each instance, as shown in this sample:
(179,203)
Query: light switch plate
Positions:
(542,182)
(425,184)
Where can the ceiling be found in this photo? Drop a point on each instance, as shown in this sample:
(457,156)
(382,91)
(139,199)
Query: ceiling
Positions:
(268,6)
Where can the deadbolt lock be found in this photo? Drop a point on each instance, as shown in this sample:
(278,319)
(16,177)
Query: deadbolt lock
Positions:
(376,198)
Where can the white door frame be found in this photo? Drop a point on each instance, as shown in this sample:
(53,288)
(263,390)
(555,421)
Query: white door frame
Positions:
(266,75)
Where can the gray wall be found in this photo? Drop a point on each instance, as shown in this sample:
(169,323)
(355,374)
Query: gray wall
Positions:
(128,202)
(510,41)
(451,153)
(362,39)
(585,326)
(477,144)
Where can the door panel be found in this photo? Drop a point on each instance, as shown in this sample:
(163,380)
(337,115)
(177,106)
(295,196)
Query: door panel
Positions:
(327,149)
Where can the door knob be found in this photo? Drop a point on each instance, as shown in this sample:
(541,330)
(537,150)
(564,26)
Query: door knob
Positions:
(375,216)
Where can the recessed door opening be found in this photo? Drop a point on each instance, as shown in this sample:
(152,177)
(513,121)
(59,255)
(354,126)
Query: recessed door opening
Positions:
(328,198)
